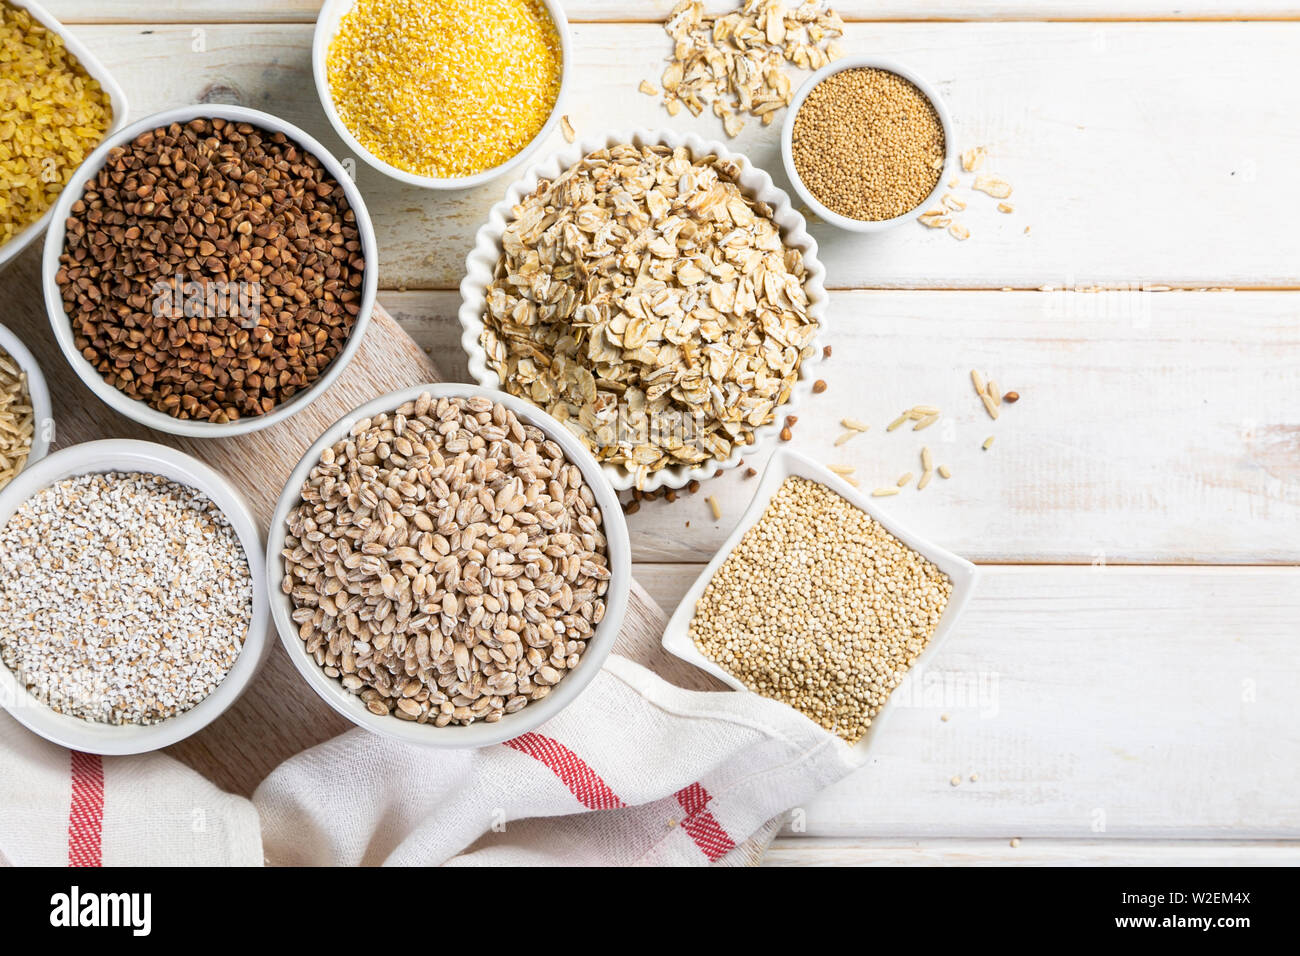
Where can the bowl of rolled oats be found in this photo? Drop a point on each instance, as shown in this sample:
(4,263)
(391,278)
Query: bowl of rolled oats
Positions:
(654,292)
(448,567)
(133,610)
(822,601)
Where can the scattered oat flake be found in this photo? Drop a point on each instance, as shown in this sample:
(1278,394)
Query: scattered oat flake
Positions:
(958,231)
(994,186)
(972,159)
(1007,207)
(566,127)
(648,88)
(935,219)
(953,203)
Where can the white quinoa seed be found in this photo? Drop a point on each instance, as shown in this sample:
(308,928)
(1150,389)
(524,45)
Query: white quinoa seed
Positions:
(820,607)
(125,598)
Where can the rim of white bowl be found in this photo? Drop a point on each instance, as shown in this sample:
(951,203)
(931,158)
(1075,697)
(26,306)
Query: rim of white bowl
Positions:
(140,411)
(42,408)
(481,263)
(787,132)
(327,24)
(479,734)
(117,100)
(149,457)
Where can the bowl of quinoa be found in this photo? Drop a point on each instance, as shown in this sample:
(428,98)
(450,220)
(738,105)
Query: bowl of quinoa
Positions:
(866,144)
(133,609)
(444,94)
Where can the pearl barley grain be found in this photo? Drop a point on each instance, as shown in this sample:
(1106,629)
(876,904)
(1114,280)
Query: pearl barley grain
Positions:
(125,598)
(868,144)
(820,607)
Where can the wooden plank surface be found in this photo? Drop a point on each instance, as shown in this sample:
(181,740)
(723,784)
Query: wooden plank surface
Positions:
(1139,709)
(278,715)
(1092,703)
(189,11)
(1138,438)
(1132,163)
(813,851)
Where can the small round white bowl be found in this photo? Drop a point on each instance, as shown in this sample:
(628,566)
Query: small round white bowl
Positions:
(117,99)
(141,411)
(481,263)
(327,26)
(477,734)
(42,409)
(787,132)
(123,455)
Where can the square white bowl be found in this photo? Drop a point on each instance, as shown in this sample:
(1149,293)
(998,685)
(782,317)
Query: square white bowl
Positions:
(117,99)
(480,265)
(784,464)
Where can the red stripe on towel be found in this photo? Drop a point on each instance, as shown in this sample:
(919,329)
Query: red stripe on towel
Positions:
(701,825)
(583,782)
(86,815)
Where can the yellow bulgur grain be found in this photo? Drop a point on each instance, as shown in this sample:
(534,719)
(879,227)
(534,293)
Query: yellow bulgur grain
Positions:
(52,115)
(445,88)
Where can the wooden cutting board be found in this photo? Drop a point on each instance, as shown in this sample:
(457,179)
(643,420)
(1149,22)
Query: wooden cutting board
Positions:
(278,715)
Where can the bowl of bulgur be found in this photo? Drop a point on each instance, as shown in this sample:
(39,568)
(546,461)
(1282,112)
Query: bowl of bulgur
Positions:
(443,94)
(58,103)
(866,143)
(821,600)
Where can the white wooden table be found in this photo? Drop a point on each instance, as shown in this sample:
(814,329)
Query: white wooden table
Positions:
(1124,685)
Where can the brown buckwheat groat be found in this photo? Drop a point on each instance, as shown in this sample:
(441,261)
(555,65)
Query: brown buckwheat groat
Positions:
(212,270)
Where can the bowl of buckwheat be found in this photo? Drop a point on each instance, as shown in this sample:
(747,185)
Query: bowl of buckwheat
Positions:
(133,607)
(210,271)
(447,566)
(654,292)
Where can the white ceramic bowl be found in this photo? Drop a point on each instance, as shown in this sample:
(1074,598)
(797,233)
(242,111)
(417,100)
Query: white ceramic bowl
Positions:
(327,26)
(962,574)
(117,98)
(482,260)
(477,734)
(124,455)
(140,411)
(787,131)
(42,409)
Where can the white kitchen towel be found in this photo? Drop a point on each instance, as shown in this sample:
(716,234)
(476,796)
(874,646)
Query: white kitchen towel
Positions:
(635,771)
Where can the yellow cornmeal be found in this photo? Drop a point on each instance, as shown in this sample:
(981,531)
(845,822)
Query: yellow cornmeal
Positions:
(445,88)
(52,115)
